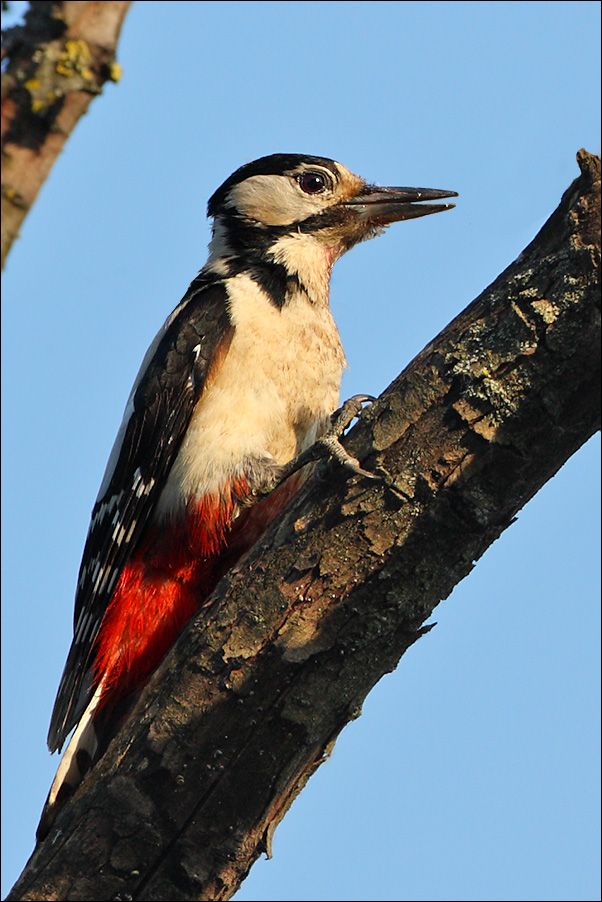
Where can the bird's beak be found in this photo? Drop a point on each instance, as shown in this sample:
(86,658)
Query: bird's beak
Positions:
(380,206)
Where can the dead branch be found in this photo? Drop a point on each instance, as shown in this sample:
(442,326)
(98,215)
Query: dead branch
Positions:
(58,61)
(252,697)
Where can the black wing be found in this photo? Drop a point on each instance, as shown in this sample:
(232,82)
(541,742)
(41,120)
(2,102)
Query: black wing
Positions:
(154,424)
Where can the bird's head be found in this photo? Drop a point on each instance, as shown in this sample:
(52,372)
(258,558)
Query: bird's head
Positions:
(304,211)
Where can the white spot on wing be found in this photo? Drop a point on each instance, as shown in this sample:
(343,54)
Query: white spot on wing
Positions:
(105,509)
(95,571)
(197,353)
(83,628)
(118,534)
(103,583)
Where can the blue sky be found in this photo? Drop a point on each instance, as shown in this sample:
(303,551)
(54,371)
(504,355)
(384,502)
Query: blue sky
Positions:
(474,770)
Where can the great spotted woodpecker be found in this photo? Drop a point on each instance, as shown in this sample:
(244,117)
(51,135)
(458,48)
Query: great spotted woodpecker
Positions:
(242,378)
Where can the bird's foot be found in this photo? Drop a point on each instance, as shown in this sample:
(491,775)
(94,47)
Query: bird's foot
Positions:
(328,446)
(341,419)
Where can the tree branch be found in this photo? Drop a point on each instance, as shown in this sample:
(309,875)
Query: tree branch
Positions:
(58,62)
(252,697)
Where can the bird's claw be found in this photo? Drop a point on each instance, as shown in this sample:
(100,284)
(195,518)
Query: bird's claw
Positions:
(340,420)
(326,447)
(348,411)
(334,450)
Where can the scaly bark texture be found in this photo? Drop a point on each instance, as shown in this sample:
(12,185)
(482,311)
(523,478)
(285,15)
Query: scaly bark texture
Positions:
(252,697)
(57,62)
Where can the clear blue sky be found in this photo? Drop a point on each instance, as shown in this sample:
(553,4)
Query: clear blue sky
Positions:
(473,773)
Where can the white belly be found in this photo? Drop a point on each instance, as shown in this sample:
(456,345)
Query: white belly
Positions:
(270,398)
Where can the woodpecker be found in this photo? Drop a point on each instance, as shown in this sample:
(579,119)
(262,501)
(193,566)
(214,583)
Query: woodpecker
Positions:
(241,380)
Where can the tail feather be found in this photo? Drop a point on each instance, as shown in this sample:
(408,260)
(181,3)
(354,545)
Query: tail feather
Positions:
(158,592)
(77,760)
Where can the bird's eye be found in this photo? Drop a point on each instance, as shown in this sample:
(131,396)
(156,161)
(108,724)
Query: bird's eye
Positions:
(312,182)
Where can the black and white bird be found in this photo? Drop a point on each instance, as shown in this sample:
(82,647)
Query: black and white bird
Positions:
(242,378)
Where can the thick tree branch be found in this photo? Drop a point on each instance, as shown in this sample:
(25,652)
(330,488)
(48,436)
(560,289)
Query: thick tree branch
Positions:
(58,62)
(254,694)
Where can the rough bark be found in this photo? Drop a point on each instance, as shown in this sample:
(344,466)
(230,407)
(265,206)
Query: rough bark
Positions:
(252,697)
(58,61)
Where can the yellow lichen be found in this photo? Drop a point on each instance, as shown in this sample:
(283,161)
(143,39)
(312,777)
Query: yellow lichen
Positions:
(115,72)
(75,58)
(42,100)
(546,309)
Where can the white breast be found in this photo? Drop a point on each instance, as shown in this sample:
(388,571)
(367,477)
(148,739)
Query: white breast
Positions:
(270,398)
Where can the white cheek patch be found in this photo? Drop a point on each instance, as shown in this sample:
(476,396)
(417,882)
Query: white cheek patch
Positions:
(273,200)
